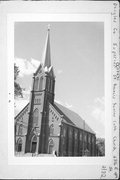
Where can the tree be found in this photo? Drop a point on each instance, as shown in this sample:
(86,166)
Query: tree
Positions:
(17,87)
(17,93)
(100,145)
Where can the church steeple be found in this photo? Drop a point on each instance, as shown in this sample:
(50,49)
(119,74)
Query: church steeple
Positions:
(42,95)
(47,54)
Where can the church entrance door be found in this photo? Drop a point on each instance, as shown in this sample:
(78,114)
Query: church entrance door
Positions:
(33,144)
(51,145)
(33,150)
(50,149)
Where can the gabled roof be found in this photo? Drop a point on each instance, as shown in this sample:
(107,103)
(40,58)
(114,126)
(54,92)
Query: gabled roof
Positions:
(21,111)
(72,118)
(69,116)
(22,116)
(38,69)
(51,71)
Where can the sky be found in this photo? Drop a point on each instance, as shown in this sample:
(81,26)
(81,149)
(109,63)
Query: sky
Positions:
(77,55)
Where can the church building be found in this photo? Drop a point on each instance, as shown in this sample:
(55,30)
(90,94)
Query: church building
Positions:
(46,127)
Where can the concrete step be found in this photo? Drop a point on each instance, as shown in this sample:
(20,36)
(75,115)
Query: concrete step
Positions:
(33,155)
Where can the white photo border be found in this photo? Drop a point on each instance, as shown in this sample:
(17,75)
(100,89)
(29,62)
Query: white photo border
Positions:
(106,19)
(105,167)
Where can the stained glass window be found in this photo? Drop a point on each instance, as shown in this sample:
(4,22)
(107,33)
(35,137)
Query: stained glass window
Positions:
(51,85)
(80,136)
(35,117)
(36,83)
(75,135)
(34,139)
(85,137)
(70,133)
(89,139)
(64,132)
(19,142)
(93,139)
(48,85)
(20,131)
(51,129)
(41,84)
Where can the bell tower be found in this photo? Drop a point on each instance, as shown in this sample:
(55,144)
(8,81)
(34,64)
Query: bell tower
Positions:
(41,95)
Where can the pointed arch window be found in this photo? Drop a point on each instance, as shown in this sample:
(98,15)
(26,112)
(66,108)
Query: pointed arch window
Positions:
(48,85)
(51,145)
(19,145)
(70,133)
(85,137)
(35,117)
(34,139)
(41,83)
(76,135)
(89,139)
(92,139)
(64,132)
(51,86)
(36,83)
(51,129)
(20,131)
(80,136)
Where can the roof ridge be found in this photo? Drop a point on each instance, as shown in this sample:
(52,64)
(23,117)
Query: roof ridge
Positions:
(76,119)
(22,110)
(70,110)
(63,112)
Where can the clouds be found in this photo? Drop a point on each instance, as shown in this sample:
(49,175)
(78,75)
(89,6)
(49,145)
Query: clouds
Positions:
(26,93)
(68,105)
(99,101)
(59,102)
(26,67)
(98,111)
(98,114)
(59,71)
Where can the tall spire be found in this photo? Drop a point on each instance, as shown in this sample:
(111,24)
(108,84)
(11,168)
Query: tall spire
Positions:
(46,55)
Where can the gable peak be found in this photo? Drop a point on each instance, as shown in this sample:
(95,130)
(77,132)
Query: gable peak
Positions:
(51,71)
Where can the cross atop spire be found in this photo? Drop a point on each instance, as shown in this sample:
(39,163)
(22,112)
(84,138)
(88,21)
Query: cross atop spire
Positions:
(47,55)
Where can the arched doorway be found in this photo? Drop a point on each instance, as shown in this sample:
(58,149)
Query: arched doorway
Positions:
(33,144)
(51,145)
(19,145)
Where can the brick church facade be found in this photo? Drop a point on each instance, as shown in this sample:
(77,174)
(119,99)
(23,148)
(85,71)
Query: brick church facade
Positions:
(46,127)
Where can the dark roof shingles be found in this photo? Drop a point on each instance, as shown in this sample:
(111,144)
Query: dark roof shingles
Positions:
(73,118)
